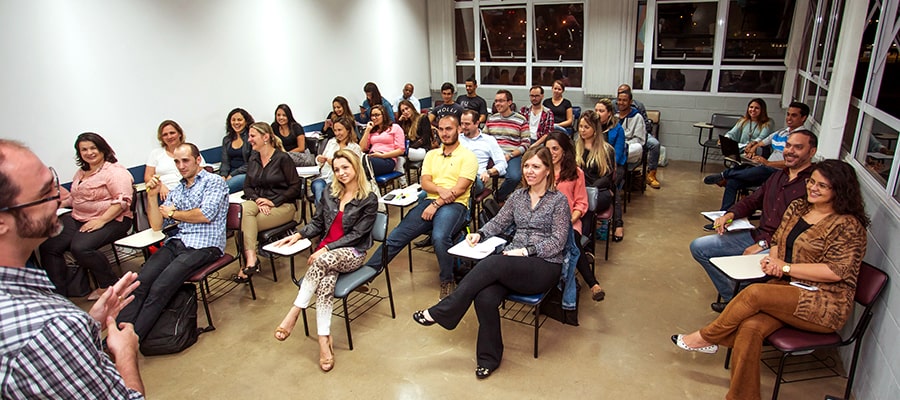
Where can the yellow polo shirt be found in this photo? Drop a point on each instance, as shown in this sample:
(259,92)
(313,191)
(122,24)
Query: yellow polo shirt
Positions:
(446,171)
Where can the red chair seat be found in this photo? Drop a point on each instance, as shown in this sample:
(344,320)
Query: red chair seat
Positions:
(211,267)
(790,339)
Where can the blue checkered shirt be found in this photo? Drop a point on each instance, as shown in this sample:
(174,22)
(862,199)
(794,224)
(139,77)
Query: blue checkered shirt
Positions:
(209,193)
(49,348)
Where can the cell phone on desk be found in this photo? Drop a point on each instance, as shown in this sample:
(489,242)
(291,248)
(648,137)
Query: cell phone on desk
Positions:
(389,197)
(804,286)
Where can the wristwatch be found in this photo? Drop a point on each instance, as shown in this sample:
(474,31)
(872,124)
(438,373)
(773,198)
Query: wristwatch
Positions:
(786,269)
(763,243)
(171,214)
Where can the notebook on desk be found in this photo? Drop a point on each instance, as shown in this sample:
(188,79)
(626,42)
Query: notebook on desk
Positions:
(731,150)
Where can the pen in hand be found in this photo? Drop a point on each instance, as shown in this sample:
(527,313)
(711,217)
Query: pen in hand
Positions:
(726,223)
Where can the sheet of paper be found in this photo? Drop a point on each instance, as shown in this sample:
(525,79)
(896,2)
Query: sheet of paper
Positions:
(479,251)
(735,225)
(295,248)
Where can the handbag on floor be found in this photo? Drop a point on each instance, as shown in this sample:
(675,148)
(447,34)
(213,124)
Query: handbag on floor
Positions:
(176,328)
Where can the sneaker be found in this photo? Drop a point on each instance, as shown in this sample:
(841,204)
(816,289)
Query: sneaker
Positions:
(713,179)
(709,227)
(447,288)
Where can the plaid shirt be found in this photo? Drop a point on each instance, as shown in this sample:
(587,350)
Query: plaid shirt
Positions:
(209,193)
(49,348)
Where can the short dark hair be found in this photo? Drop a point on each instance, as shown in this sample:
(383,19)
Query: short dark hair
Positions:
(452,118)
(804,109)
(507,93)
(195,152)
(627,93)
(448,85)
(472,113)
(472,79)
(538,87)
(813,139)
(102,146)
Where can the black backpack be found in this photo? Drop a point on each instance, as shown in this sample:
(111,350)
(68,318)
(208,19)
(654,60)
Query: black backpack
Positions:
(176,328)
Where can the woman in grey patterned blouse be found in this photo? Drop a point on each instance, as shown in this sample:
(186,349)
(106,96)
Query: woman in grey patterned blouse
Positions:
(530,262)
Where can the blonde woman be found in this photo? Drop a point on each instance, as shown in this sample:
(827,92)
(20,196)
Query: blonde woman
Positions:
(606,123)
(344,218)
(161,161)
(271,188)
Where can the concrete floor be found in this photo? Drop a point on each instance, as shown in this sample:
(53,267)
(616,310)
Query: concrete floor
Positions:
(621,350)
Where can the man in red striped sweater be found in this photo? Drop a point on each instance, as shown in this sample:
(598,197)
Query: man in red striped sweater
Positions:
(511,131)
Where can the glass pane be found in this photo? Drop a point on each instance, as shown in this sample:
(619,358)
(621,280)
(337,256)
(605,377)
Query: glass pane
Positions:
(544,76)
(465,33)
(849,129)
(559,31)
(680,79)
(685,30)
(503,34)
(641,28)
(638,81)
(807,35)
(865,50)
(503,75)
(463,73)
(758,29)
(876,149)
(889,92)
(821,98)
(835,25)
(751,81)
(823,31)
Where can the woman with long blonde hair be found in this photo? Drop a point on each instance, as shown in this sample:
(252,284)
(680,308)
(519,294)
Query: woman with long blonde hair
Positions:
(344,218)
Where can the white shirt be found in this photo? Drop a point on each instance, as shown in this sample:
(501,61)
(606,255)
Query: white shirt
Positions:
(326,173)
(485,148)
(165,167)
(534,120)
(412,99)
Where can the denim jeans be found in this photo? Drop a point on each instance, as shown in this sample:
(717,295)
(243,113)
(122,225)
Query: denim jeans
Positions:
(741,178)
(446,223)
(511,179)
(652,146)
(318,188)
(236,183)
(728,244)
(160,278)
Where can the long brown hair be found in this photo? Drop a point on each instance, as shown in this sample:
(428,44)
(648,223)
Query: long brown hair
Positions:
(410,126)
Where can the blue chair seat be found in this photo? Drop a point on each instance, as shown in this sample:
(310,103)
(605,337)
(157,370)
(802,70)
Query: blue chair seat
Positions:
(382,179)
(519,315)
(347,283)
(529,299)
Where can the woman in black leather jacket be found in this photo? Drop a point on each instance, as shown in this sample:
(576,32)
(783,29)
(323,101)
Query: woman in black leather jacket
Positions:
(344,218)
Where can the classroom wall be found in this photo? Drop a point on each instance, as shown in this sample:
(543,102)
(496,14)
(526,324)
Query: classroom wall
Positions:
(119,68)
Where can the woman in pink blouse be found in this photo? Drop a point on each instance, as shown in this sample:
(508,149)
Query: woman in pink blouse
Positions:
(570,182)
(100,200)
(383,140)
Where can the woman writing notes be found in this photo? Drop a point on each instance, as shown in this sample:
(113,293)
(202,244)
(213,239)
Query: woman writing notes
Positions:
(820,243)
(530,262)
(344,218)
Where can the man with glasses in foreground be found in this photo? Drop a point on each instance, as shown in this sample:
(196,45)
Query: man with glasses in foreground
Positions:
(48,346)
(772,198)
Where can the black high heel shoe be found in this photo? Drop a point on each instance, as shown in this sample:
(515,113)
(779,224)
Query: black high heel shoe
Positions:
(251,269)
(419,317)
(240,279)
(482,373)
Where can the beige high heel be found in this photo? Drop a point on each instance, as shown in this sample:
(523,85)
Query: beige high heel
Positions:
(327,364)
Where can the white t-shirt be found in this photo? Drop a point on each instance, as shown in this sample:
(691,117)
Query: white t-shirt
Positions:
(534,121)
(165,167)
(326,173)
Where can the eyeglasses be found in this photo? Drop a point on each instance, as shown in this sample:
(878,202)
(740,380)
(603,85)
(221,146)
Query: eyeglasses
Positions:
(41,201)
(376,115)
(820,185)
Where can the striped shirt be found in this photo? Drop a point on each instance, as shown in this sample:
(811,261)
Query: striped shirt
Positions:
(209,193)
(49,348)
(512,132)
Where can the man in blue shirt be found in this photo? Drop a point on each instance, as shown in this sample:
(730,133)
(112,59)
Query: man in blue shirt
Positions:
(200,206)
(49,348)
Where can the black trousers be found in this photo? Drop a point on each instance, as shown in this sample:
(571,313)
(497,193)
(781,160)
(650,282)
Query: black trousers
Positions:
(487,285)
(85,248)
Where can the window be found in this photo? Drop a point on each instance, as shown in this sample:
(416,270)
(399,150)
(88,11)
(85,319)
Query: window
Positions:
(521,44)
(714,46)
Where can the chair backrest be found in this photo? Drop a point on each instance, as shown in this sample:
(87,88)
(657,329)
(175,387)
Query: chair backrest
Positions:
(722,123)
(379,230)
(869,284)
(233,220)
(576,112)
(653,115)
(592,198)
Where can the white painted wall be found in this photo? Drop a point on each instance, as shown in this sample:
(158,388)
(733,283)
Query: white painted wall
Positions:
(119,68)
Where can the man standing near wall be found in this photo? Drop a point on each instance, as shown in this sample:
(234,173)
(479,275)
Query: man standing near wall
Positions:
(511,131)
(49,348)
(472,101)
(407,95)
